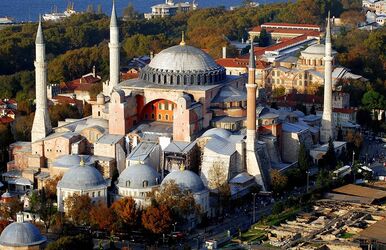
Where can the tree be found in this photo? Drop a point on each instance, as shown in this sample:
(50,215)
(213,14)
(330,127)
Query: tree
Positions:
(352,18)
(126,211)
(313,110)
(101,216)
(50,186)
(373,100)
(304,160)
(78,209)
(46,209)
(264,38)
(180,202)
(8,210)
(157,219)
(329,158)
(22,128)
(71,242)
(129,12)
(4,224)
(323,180)
(99,9)
(218,181)
(277,92)
(278,181)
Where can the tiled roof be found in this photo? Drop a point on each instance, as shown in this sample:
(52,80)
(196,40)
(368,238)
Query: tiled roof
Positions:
(344,110)
(240,63)
(292,25)
(64,100)
(77,83)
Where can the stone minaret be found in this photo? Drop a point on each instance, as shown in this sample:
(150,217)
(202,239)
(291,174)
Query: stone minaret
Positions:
(252,158)
(327,131)
(42,124)
(114,47)
(251,101)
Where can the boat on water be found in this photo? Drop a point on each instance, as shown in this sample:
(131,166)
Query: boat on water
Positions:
(57,16)
(6,20)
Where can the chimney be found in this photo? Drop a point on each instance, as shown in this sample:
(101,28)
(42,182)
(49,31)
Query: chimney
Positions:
(94,71)
(224,52)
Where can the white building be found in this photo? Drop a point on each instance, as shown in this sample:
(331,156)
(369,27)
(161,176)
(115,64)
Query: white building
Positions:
(137,181)
(169,8)
(81,180)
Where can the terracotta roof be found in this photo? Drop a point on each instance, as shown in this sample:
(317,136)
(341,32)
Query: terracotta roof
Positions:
(240,63)
(360,191)
(304,98)
(64,100)
(344,110)
(375,231)
(6,119)
(287,31)
(129,75)
(299,25)
(75,84)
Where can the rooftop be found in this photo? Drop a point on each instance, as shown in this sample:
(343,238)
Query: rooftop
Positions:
(142,151)
(109,139)
(375,232)
(361,191)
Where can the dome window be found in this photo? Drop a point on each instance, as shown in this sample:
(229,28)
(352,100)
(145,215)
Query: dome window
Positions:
(127,183)
(145,184)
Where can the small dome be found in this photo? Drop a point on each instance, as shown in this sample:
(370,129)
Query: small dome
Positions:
(185,179)
(134,176)
(316,50)
(223,133)
(82,177)
(19,234)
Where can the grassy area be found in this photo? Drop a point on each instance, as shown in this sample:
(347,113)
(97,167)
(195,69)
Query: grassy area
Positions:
(346,235)
(276,219)
(253,234)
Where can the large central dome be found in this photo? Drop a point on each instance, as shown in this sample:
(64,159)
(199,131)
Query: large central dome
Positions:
(183,58)
(183,65)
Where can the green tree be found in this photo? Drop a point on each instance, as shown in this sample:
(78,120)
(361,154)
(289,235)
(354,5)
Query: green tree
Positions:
(279,181)
(304,160)
(329,159)
(264,38)
(373,100)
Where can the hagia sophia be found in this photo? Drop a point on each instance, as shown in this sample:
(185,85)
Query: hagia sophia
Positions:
(183,120)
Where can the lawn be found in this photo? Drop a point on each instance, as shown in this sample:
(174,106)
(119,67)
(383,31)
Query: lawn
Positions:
(276,219)
(346,235)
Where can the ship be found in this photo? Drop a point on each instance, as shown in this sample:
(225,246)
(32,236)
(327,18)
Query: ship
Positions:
(57,16)
(6,20)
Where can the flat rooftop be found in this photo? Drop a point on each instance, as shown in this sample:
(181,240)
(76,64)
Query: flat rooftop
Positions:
(361,191)
(377,232)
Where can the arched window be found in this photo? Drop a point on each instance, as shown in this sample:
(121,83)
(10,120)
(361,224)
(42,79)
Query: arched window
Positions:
(178,80)
(145,183)
(127,183)
(159,117)
(167,117)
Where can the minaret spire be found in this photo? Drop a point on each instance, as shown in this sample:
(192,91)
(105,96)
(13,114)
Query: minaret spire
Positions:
(327,130)
(182,43)
(252,158)
(114,47)
(42,124)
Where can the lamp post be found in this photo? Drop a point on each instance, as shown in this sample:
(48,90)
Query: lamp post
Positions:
(254,206)
(353,168)
(308,180)
(174,226)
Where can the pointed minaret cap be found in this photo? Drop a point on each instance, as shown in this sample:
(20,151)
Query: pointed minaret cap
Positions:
(182,43)
(252,62)
(81,163)
(328,29)
(39,34)
(113,20)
